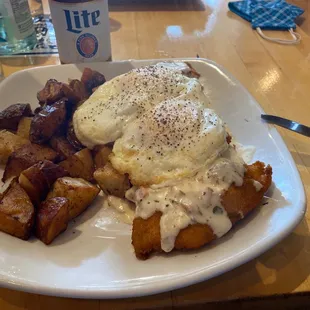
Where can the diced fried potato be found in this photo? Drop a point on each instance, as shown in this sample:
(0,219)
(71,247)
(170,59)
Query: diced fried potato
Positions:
(38,179)
(62,146)
(69,93)
(9,142)
(37,110)
(26,156)
(111,181)
(92,79)
(10,117)
(51,92)
(79,89)
(32,190)
(79,192)
(16,212)
(52,219)
(75,91)
(71,137)
(46,123)
(80,165)
(101,155)
(23,128)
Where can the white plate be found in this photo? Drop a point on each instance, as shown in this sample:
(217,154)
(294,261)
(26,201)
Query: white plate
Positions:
(94,257)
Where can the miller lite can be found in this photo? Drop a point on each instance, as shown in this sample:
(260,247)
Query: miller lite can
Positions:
(82,29)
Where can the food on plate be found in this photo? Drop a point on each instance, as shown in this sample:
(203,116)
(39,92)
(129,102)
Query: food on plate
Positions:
(101,155)
(23,129)
(92,79)
(26,156)
(111,181)
(236,203)
(79,193)
(62,146)
(173,140)
(16,212)
(124,209)
(46,123)
(75,91)
(9,142)
(71,137)
(52,218)
(80,165)
(51,92)
(79,90)
(190,184)
(10,117)
(38,179)
(104,116)
(70,94)
(152,143)
(38,141)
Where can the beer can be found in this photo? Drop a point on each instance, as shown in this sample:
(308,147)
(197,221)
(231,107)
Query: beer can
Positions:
(82,29)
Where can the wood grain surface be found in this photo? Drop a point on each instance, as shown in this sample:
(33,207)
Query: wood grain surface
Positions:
(277,76)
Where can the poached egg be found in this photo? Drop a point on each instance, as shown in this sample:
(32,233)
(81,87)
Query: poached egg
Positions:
(159,120)
(105,115)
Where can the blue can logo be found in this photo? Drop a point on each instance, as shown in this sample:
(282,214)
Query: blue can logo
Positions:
(87,45)
(78,20)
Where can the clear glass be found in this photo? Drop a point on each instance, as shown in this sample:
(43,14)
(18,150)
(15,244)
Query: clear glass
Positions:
(18,46)
(12,40)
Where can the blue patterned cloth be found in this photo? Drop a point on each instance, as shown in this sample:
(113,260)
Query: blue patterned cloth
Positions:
(267,14)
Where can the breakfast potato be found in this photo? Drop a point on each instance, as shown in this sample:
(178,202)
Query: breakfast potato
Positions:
(79,90)
(23,129)
(101,155)
(74,108)
(69,93)
(10,117)
(45,124)
(51,92)
(52,219)
(62,146)
(26,156)
(37,110)
(80,165)
(92,79)
(32,190)
(9,142)
(111,181)
(79,193)
(16,212)
(38,179)
(71,137)
(54,91)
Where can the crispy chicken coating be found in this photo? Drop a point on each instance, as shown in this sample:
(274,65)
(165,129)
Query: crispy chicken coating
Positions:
(238,201)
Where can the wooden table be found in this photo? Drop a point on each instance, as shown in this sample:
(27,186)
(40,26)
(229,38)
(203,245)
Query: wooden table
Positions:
(277,76)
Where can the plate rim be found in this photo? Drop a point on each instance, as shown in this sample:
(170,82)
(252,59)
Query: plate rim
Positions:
(197,276)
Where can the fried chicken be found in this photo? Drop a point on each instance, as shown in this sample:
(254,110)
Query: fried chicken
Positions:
(238,201)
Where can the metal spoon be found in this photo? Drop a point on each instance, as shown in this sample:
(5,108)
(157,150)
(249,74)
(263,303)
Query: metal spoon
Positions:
(288,124)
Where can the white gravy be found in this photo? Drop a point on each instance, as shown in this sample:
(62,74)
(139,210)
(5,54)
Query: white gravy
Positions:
(125,210)
(258,186)
(191,200)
